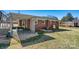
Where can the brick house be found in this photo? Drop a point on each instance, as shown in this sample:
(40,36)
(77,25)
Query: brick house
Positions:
(32,22)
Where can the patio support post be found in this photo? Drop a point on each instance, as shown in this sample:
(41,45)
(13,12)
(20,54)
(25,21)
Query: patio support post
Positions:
(32,25)
(57,25)
(11,23)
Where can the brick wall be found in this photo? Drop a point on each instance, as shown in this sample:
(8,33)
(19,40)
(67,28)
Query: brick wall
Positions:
(40,25)
(45,24)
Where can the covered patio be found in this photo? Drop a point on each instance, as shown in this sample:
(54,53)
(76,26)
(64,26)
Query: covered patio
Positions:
(34,23)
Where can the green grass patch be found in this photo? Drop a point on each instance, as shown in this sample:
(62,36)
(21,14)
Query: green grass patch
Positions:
(2,45)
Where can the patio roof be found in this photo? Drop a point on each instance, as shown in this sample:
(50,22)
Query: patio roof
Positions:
(25,16)
(20,16)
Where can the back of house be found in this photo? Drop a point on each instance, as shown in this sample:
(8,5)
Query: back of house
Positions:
(32,22)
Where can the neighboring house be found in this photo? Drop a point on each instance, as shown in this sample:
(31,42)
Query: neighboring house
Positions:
(32,22)
(67,24)
(74,23)
(4,25)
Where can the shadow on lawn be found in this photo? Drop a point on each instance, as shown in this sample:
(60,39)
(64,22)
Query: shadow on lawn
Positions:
(60,30)
(56,30)
(35,40)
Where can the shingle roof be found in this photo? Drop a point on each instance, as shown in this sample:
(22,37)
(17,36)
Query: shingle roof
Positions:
(25,16)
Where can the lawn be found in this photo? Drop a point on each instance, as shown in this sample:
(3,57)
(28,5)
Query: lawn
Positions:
(63,38)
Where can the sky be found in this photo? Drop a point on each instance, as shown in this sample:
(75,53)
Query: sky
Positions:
(57,13)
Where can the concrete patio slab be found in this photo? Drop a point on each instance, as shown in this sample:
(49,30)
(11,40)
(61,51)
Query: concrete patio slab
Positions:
(26,35)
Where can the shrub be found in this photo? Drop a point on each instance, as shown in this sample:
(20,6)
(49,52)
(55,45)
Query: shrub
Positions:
(40,32)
